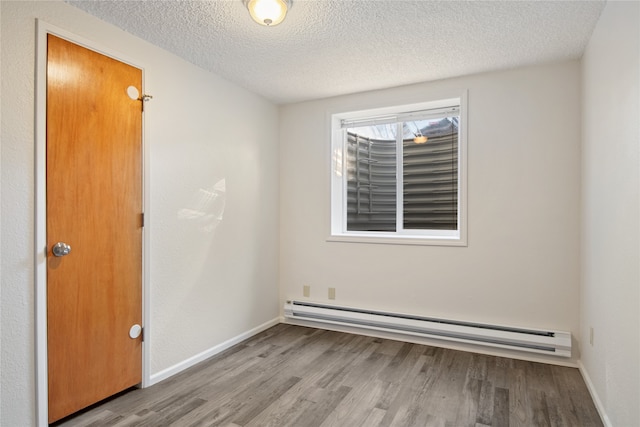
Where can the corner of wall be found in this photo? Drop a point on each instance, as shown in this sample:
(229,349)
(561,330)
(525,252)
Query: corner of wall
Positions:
(594,395)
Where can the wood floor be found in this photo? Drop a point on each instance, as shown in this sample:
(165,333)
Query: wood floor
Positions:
(303,377)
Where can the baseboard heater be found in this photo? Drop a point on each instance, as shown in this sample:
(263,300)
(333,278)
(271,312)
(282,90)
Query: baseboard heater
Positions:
(556,343)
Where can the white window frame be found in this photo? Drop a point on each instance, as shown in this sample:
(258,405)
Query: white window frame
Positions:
(338,226)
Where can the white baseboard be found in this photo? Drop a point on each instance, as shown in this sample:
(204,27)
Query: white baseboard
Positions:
(594,395)
(179,367)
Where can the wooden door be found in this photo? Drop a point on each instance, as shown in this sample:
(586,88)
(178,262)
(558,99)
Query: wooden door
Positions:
(94,205)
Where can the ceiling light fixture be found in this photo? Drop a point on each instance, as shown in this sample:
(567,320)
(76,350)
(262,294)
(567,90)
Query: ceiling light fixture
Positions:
(419,138)
(268,12)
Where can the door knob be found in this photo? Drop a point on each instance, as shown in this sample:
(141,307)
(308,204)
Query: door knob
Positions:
(135,331)
(61,249)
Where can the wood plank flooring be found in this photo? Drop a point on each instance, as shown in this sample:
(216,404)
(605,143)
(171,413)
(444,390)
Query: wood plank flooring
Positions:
(303,377)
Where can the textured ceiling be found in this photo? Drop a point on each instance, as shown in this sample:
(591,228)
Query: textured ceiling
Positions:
(334,47)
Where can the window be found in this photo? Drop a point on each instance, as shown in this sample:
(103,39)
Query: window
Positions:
(398,174)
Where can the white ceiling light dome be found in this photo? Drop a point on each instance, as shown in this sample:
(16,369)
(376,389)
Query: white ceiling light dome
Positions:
(268,12)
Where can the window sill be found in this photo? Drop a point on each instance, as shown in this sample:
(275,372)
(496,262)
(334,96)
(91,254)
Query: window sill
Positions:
(399,240)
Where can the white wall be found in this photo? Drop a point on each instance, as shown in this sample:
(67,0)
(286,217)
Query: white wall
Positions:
(211,279)
(610,298)
(521,266)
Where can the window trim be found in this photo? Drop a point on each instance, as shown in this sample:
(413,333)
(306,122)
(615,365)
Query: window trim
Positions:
(338,194)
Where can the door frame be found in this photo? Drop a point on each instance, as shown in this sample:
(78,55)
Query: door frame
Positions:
(40,269)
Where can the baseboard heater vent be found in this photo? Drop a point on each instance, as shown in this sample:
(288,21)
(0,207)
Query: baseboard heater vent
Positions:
(557,343)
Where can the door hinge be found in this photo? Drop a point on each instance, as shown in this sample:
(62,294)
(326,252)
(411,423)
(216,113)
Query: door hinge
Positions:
(144,98)
(142,219)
